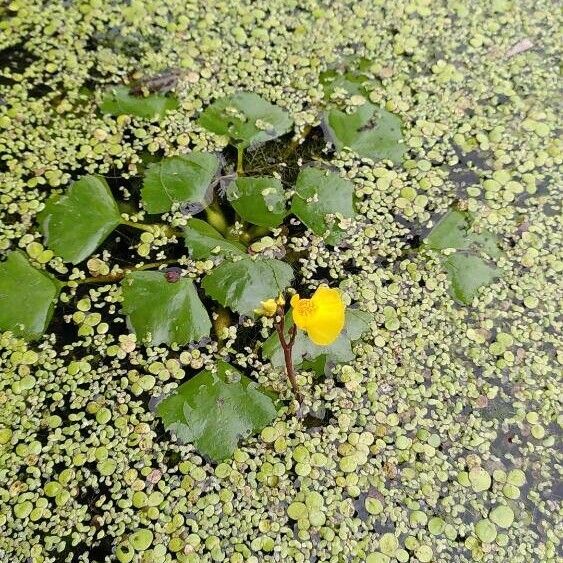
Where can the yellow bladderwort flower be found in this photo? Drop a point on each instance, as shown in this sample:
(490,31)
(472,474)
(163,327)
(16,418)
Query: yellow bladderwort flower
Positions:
(322,316)
(267,308)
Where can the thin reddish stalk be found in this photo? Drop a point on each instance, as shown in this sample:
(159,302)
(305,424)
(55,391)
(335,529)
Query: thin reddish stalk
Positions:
(287,346)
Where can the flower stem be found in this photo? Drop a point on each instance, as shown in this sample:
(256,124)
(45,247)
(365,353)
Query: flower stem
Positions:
(287,346)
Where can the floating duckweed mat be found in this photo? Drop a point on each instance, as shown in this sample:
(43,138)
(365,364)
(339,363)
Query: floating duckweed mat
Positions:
(436,439)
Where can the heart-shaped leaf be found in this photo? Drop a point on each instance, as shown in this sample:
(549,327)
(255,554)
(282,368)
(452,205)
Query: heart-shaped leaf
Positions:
(76,223)
(179,179)
(453,231)
(369,131)
(242,284)
(246,118)
(215,410)
(304,350)
(204,241)
(260,201)
(27,297)
(162,311)
(119,101)
(467,274)
(319,193)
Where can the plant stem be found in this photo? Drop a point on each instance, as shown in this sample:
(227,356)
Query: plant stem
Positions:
(118,276)
(287,346)
(216,218)
(240,157)
(221,322)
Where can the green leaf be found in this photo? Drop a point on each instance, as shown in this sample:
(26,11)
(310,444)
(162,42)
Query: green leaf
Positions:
(215,410)
(243,284)
(246,118)
(179,179)
(260,201)
(164,312)
(118,101)
(76,223)
(319,193)
(204,241)
(27,297)
(357,322)
(453,231)
(352,83)
(467,274)
(369,131)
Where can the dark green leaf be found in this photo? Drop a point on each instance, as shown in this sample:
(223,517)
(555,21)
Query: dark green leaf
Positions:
(369,131)
(453,231)
(246,118)
(319,193)
(467,274)
(243,284)
(179,179)
(163,312)
(260,201)
(204,241)
(27,297)
(357,322)
(118,101)
(76,223)
(215,410)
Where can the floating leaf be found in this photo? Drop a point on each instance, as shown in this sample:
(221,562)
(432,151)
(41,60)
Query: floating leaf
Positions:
(260,201)
(243,284)
(76,223)
(369,131)
(246,118)
(453,231)
(204,241)
(467,274)
(215,410)
(350,83)
(179,179)
(27,297)
(357,322)
(164,312)
(319,193)
(119,101)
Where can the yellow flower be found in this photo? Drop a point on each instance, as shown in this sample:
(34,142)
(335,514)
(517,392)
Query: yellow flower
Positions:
(267,308)
(322,316)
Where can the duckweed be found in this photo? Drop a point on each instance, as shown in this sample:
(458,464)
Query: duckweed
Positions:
(433,444)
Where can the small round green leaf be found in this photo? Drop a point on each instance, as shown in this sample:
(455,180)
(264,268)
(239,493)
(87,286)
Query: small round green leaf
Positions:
(119,101)
(76,223)
(319,193)
(164,312)
(214,410)
(369,131)
(241,285)
(179,179)
(205,241)
(260,201)
(27,297)
(246,118)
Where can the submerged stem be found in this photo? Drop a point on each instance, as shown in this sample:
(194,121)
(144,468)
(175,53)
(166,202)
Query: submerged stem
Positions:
(240,158)
(150,227)
(118,276)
